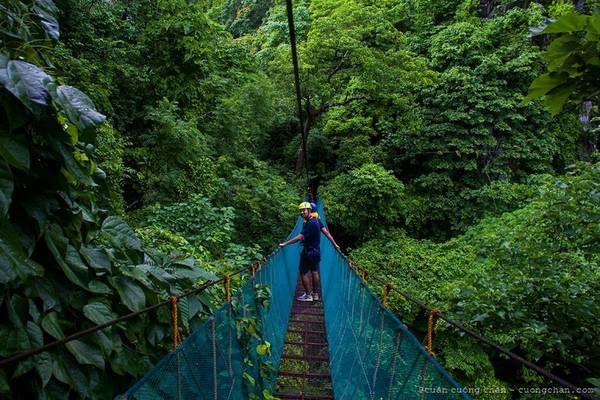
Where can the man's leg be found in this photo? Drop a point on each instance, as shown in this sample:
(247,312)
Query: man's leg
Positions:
(304,275)
(316,282)
(306,281)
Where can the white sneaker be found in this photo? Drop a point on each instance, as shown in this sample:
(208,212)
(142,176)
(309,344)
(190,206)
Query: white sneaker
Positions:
(315,296)
(305,297)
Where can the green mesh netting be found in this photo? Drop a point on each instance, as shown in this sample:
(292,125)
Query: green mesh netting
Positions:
(209,363)
(372,354)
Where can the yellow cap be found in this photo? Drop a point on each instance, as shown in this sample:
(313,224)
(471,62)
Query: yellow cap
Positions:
(304,205)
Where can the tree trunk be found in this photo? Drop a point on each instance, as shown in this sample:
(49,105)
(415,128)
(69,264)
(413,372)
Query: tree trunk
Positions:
(312,115)
(486,7)
(589,140)
(308,124)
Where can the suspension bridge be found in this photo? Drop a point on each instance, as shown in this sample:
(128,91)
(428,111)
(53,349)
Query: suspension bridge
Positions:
(346,345)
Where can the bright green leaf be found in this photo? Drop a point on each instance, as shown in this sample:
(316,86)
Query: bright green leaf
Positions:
(567,24)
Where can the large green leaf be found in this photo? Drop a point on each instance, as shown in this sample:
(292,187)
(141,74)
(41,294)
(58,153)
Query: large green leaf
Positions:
(543,84)
(15,150)
(96,257)
(51,325)
(47,294)
(559,50)
(66,256)
(567,24)
(556,98)
(85,353)
(77,105)
(35,334)
(131,294)
(59,370)
(43,366)
(13,260)
(23,367)
(46,11)
(99,287)
(121,234)
(100,338)
(6,188)
(98,312)
(26,82)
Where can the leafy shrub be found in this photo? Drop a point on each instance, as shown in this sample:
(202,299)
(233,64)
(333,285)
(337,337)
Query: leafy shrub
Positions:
(196,221)
(363,201)
(264,204)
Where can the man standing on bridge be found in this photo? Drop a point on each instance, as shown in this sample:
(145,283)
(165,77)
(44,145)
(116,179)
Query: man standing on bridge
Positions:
(311,251)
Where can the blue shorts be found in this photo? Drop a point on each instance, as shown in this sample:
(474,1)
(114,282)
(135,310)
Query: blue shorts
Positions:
(309,262)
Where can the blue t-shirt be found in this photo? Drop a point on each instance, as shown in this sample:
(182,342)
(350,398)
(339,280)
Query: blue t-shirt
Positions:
(312,235)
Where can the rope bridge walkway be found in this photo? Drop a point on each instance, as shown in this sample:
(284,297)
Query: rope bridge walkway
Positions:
(349,346)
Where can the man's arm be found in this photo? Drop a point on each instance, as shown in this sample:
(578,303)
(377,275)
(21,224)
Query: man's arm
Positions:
(326,233)
(292,240)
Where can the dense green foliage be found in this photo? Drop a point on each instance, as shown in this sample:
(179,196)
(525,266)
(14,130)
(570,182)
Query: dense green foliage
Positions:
(176,152)
(64,265)
(528,279)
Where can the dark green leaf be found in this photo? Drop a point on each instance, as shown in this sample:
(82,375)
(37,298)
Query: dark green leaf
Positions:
(543,84)
(66,256)
(194,274)
(23,367)
(131,294)
(51,326)
(121,234)
(556,98)
(85,353)
(26,82)
(99,287)
(46,293)
(155,334)
(13,260)
(6,188)
(43,366)
(77,378)
(15,151)
(104,342)
(96,257)
(35,334)
(34,313)
(98,312)
(59,370)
